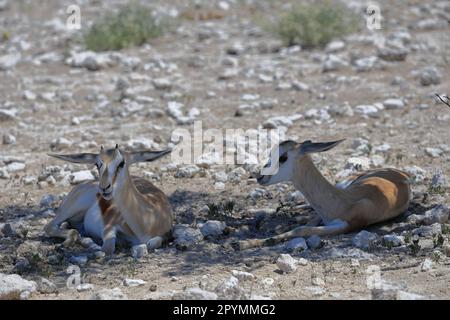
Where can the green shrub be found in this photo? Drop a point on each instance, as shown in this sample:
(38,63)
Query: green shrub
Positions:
(133,25)
(315,24)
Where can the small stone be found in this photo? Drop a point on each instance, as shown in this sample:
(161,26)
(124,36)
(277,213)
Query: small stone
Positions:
(286,263)
(85,287)
(392,240)
(242,275)
(358,163)
(61,143)
(230,289)
(9,61)
(403,295)
(133,282)
(314,242)
(188,171)
(48,200)
(195,294)
(8,114)
(154,243)
(428,231)
(316,281)
(392,53)
(296,244)
(162,84)
(14,287)
(109,294)
(393,104)
(9,139)
(426,265)
(433,152)
(213,228)
(79,260)
(139,251)
(364,240)
(15,167)
(335,46)
(45,286)
(439,214)
(333,63)
(418,174)
(430,76)
(186,237)
(153,287)
(439,180)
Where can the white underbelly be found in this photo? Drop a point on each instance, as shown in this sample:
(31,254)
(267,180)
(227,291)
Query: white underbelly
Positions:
(93,222)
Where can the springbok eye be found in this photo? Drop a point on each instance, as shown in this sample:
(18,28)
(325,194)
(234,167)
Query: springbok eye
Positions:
(283,158)
(122,164)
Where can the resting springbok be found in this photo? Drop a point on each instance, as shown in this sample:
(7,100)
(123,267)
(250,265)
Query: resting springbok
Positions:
(370,197)
(116,203)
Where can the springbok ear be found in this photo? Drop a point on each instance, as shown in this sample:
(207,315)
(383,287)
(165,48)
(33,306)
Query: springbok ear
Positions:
(147,155)
(310,147)
(88,158)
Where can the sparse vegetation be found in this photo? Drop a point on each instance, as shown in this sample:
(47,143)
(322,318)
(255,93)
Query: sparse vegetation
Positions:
(315,24)
(220,210)
(133,25)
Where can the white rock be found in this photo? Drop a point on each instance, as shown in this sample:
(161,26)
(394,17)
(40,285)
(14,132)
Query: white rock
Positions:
(369,110)
(296,244)
(187,172)
(235,175)
(9,139)
(154,243)
(364,240)
(300,86)
(333,63)
(314,242)
(230,289)
(426,265)
(430,76)
(89,60)
(358,163)
(392,240)
(85,287)
(439,180)
(47,200)
(335,46)
(439,214)
(14,287)
(403,295)
(242,275)
(286,263)
(433,152)
(109,294)
(175,110)
(139,251)
(365,64)
(186,236)
(213,228)
(61,143)
(79,260)
(8,114)
(133,282)
(418,174)
(81,176)
(393,104)
(162,84)
(195,294)
(9,61)
(15,167)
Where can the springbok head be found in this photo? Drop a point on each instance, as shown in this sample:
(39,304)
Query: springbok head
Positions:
(112,165)
(288,152)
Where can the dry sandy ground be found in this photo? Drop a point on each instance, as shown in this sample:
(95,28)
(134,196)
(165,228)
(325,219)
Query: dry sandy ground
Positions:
(48,94)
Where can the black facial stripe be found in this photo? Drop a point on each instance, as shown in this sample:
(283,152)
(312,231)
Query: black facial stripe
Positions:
(283,158)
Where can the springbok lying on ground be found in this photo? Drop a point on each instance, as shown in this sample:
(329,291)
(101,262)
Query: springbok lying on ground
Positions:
(370,197)
(118,202)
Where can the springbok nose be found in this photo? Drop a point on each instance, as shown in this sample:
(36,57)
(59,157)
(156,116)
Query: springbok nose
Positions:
(107,187)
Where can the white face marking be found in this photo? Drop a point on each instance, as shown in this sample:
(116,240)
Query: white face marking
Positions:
(285,163)
(110,174)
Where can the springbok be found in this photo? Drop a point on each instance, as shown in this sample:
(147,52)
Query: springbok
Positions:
(361,200)
(118,202)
